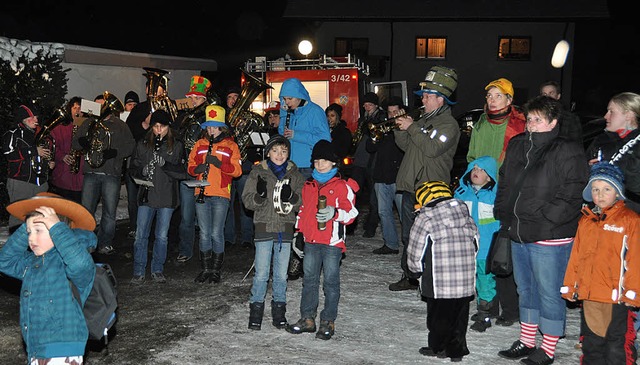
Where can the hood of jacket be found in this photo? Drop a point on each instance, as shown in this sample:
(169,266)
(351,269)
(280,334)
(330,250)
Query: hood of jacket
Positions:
(293,88)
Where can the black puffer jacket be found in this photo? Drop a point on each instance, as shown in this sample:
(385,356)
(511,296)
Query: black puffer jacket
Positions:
(548,203)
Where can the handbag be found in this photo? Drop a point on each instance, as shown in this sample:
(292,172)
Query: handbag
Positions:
(499,258)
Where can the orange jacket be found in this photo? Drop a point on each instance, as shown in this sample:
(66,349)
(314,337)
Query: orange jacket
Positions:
(605,260)
(228,153)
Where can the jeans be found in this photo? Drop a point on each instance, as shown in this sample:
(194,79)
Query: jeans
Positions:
(107,187)
(408,216)
(141,244)
(280,252)
(187,228)
(211,216)
(386,194)
(246,219)
(539,271)
(132,200)
(320,258)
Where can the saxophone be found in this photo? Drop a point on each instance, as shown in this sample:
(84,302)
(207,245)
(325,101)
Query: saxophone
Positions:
(205,175)
(75,154)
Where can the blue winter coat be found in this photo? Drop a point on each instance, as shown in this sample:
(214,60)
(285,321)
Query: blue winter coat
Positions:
(480,203)
(51,319)
(308,122)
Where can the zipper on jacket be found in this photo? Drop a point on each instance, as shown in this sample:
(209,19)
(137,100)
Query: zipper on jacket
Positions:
(515,204)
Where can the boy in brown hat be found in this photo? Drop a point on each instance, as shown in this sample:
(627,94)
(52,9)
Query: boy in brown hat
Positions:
(47,256)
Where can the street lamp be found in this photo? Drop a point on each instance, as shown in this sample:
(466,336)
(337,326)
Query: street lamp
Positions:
(305,47)
(560,54)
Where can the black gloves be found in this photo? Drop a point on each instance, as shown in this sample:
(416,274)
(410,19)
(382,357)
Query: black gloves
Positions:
(261,187)
(84,142)
(213,160)
(286,193)
(200,168)
(109,153)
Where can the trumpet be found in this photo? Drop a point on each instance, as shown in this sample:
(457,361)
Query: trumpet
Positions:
(415,114)
(378,131)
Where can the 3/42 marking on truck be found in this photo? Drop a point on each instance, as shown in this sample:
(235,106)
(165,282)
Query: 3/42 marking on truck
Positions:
(340,78)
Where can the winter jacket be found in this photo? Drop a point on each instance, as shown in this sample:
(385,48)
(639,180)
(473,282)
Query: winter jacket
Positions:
(480,203)
(341,139)
(429,146)
(387,157)
(489,138)
(121,140)
(263,209)
(164,193)
(308,122)
(442,247)
(610,143)
(548,202)
(19,147)
(61,175)
(603,262)
(51,319)
(220,178)
(340,194)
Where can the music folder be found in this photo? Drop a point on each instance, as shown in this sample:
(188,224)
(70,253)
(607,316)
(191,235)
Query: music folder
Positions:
(143,182)
(196,183)
(259,139)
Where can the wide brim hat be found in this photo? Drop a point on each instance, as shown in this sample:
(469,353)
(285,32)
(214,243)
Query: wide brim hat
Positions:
(441,81)
(215,117)
(78,215)
(199,86)
(503,84)
(606,172)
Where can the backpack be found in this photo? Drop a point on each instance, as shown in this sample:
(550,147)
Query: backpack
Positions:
(100,308)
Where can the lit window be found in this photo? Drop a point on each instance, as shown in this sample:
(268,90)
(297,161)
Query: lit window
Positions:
(431,48)
(514,48)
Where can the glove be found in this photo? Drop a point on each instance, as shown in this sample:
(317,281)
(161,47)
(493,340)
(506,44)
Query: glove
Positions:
(109,153)
(145,171)
(261,187)
(286,193)
(213,160)
(325,214)
(160,161)
(200,168)
(84,142)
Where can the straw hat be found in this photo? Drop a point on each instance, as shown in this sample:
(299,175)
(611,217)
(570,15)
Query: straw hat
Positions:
(78,215)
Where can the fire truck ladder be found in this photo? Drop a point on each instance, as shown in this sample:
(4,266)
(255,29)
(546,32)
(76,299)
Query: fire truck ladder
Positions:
(261,64)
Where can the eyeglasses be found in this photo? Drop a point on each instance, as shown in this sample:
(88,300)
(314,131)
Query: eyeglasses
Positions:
(495,96)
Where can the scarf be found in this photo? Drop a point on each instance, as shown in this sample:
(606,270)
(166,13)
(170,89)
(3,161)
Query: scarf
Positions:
(438,111)
(278,170)
(498,116)
(323,177)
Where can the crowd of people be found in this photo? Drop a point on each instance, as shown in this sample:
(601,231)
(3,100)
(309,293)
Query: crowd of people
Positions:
(527,173)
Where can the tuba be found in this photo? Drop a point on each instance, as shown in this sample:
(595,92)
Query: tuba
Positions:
(157,78)
(242,121)
(99,134)
(40,165)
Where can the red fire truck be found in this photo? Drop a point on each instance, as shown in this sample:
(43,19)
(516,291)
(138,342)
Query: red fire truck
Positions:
(341,80)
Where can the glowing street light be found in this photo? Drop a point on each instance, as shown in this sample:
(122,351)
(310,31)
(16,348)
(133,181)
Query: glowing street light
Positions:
(560,54)
(305,47)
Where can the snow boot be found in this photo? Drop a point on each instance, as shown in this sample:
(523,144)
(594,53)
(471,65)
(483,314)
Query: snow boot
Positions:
(206,262)
(278,310)
(256,311)
(218,259)
(483,320)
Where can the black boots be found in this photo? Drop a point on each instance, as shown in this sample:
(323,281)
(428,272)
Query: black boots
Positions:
(486,311)
(278,310)
(218,259)
(256,311)
(206,262)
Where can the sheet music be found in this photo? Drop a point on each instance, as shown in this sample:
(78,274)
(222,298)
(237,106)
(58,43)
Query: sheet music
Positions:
(259,139)
(143,182)
(196,183)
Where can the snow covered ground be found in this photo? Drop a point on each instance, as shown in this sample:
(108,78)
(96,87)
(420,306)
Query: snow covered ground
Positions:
(374,326)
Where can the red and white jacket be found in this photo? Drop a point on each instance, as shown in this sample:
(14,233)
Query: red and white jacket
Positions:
(340,194)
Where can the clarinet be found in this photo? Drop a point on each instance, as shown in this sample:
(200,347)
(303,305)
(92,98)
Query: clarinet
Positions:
(288,120)
(151,168)
(200,198)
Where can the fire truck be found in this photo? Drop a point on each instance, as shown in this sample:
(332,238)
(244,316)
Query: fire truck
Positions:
(340,80)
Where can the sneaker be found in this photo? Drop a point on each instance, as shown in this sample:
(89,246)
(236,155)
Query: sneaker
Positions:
(538,357)
(516,351)
(303,325)
(183,258)
(404,284)
(481,326)
(158,277)
(106,250)
(326,330)
(505,322)
(385,250)
(137,279)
